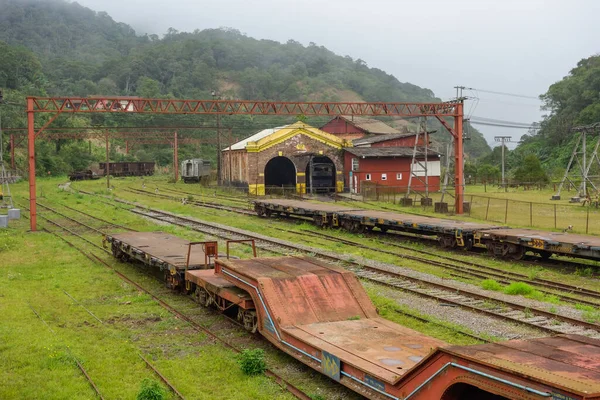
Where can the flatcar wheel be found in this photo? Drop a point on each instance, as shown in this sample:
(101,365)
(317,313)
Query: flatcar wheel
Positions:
(250,321)
(203,297)
(259,210)
(518,253)
(383,229)
(318,220)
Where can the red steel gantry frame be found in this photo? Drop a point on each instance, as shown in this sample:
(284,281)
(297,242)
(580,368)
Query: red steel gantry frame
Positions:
(70,105)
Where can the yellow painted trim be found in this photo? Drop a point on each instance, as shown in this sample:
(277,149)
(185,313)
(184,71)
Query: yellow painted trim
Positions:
(280,153)
(301,174)
(301,188)
(339,187)
(261,174)
(338,172)
(257,189)
(298,128)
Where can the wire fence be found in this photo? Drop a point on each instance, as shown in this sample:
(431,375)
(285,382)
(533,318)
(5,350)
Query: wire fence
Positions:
(577,218)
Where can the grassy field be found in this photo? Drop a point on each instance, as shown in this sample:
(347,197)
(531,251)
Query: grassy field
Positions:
(36,269)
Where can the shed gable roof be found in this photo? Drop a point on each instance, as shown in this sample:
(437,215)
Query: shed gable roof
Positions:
(273,136)
(370,125)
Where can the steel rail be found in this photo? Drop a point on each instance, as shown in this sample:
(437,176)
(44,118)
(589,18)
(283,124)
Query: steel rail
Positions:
(81,368)
(277,378)
(495,272)
(490,272)
(162,378)
(450,290)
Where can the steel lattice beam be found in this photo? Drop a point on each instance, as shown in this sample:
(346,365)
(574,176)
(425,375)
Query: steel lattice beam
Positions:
(125,105)
(161,106)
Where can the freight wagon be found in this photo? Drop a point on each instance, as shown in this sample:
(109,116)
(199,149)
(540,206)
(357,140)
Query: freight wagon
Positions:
(499,240)
(128,168)
(319,314)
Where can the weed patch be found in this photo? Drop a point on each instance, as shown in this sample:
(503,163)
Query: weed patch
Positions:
(519,288)
(252,362)
(151,390)
(490,284)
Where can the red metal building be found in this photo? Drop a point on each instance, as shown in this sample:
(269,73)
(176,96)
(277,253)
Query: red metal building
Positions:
(390,166)
(383,155)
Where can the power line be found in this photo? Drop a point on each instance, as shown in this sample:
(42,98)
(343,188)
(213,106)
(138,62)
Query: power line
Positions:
(506,94)
(506,125)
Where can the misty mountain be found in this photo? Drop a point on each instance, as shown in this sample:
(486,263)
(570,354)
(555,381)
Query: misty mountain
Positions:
(83,53)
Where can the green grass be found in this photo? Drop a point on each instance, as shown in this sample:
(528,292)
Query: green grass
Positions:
(519,288)
(490,284)
(38,361)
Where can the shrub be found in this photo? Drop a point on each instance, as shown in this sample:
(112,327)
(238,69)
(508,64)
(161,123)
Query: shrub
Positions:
(490,284)
(517,288)
(151,390)
(252,362)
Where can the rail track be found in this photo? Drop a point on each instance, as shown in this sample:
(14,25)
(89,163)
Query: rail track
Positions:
(295,391)
(480,271)
(506,310)
(467,269)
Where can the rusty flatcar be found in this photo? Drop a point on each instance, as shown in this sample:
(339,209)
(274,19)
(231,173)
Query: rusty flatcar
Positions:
(320,314)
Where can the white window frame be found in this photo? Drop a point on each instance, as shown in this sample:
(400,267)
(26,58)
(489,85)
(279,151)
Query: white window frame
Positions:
(367,177)
(355,164)
(399,176)
(384,177)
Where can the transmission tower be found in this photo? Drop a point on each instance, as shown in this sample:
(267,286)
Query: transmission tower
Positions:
(579,162)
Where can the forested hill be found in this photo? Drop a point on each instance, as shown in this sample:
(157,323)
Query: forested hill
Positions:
(80,52)
(573,101)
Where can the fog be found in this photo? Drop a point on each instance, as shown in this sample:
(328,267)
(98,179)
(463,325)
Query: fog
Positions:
(511,46)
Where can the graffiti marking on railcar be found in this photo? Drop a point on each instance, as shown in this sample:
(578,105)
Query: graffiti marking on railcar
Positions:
(331,366)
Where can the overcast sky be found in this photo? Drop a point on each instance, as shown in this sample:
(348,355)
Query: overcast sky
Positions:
(512,46)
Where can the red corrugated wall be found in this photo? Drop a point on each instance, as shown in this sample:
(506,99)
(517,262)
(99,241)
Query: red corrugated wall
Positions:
(389,166)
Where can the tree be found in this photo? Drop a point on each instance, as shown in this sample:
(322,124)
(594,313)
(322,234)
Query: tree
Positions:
(530,171)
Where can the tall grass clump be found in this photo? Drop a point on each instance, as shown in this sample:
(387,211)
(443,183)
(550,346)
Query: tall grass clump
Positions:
(252,362)
(519,288)
(151,390)
(490,284)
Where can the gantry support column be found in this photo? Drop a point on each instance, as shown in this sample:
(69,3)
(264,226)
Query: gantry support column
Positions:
(31,156)
(175,157)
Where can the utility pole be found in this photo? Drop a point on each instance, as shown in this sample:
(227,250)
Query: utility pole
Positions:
(503,140)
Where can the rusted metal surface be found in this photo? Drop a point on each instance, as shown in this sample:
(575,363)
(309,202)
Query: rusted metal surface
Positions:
(570,363)
(219,286)
(303,290)
(162,247)
(384,349)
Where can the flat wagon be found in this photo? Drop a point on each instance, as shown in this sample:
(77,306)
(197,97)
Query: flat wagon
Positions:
(163,252)
(450,233)
(515,243)
(320,314)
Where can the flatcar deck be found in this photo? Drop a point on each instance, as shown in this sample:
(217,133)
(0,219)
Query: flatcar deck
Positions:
(164,248)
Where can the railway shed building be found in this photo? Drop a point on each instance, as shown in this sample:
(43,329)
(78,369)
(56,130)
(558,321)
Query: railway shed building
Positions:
(281,157)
